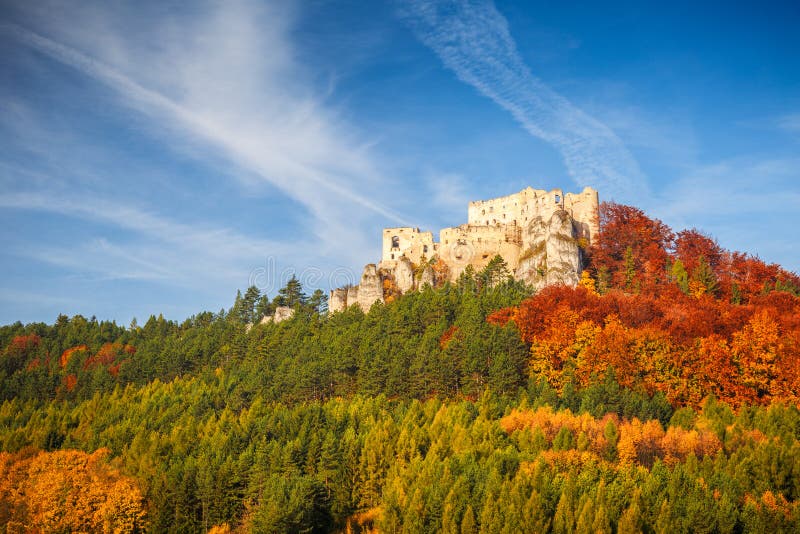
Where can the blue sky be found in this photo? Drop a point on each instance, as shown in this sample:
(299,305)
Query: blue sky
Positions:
(157,156)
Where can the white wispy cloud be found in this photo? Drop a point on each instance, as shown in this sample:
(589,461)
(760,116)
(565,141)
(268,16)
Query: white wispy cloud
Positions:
(746,202)
(449,192)
(16,297)
(223,79)
(161,249)
(660,137)
(473,40)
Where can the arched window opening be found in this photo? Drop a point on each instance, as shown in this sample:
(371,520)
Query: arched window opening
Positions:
(395,242)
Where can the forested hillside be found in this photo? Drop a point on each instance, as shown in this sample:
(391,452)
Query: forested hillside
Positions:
(661,395)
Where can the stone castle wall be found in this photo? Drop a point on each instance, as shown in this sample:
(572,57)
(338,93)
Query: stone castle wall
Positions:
(538,233)
(521,208)
(408,242)
(476,245)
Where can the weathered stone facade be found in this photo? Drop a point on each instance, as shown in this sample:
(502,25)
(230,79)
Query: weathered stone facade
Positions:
(538,233)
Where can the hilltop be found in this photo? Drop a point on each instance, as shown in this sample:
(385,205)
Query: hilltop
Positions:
(658,394)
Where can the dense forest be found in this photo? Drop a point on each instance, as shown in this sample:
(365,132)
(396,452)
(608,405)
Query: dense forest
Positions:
(660,395)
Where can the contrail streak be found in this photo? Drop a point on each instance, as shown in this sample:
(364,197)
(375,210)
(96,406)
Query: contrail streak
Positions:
(473,40)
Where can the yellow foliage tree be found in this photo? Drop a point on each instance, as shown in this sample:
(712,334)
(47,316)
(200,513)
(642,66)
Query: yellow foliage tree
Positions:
(587,282)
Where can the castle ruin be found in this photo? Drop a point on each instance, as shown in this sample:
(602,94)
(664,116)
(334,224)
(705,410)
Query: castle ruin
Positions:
(540,235)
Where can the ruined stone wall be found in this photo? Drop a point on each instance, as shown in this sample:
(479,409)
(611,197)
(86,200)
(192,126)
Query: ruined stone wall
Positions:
(583,207)
(477,245)
(538,233)
(408,242)
(519,208)
(525,206)
(501,210)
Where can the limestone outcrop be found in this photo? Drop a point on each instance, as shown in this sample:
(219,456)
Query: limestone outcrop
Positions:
(403,275)
(364,295)
(427,277)
(563,253)
(282,313)
(553,255)
(370,290)
(338,299)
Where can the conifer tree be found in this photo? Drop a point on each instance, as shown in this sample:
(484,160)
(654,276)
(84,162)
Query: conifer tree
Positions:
(564,519)
(703,278)
(291,294)
(680,276)
(468,525)
(586,516)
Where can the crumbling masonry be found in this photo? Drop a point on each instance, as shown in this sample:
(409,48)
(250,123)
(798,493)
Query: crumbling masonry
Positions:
(540,234)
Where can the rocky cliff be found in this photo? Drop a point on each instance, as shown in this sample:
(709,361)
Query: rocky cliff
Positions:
(553,255)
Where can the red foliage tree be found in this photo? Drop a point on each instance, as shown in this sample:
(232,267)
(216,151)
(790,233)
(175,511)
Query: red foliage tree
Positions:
(20,344)
(631,247)
(690,245)
(735,334)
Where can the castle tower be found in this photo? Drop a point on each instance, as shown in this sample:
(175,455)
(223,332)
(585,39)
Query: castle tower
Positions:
(406,241)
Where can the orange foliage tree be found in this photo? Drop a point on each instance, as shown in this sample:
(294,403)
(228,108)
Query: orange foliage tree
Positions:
(684,346)
(67,491)
(636,253)
(631,247)
(639,443)
(677,314)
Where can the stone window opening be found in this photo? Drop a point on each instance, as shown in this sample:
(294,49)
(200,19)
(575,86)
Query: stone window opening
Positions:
(558,199)
(392,256)
(424,249)
(395,242)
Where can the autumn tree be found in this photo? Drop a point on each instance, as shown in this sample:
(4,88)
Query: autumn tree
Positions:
(630,244)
